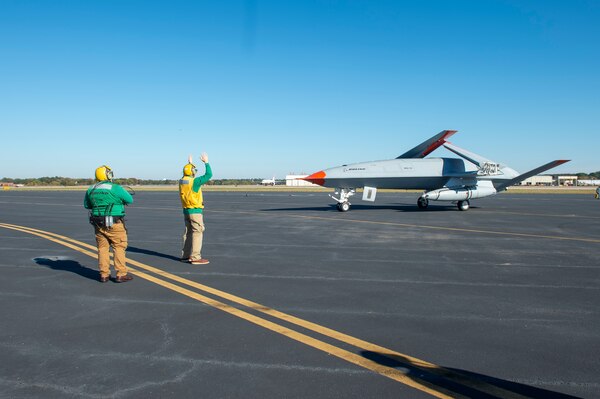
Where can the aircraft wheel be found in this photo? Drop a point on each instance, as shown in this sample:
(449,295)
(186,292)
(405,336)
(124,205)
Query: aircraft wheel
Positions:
(422,203)
(343,206)
(463,205)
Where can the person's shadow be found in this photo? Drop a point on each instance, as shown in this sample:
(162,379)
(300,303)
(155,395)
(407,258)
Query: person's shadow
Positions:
(461,382)
(56,263)
(151,253)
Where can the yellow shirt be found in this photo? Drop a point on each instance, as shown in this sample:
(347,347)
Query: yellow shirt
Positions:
(190,199)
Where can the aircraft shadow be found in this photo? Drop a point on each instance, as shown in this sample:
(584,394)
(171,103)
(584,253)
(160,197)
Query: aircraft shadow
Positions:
(462,382)
(151,253)
(399,208)
(68,266)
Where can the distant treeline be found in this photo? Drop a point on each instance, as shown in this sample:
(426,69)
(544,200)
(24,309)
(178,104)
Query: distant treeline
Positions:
(591,176)
(131,181)
(69,181)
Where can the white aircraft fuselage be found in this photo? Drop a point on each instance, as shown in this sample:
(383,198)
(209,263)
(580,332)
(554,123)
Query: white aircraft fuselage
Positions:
(442,179)
(420,174)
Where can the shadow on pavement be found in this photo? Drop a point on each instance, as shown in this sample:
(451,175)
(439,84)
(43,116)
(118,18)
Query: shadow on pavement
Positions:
(151,253)
(68,266)
(359,207)
(461,382)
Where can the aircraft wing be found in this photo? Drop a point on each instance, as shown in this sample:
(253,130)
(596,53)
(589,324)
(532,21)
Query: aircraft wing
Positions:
(428,146)
(532,172)
(462,175)
(461,179)
(469,156)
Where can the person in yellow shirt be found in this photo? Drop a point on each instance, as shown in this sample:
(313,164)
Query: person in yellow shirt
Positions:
(190,192)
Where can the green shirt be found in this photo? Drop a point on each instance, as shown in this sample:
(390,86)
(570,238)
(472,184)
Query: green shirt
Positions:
(107,199)
(198,182)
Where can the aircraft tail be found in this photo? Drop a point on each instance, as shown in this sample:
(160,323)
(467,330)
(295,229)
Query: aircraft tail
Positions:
(428,146)
(532,172)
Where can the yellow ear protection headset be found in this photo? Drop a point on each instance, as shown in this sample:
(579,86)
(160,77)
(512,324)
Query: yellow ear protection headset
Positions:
(104,173)
(190,170)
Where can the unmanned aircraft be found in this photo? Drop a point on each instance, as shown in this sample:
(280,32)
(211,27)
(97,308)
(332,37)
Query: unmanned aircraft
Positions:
(442,179)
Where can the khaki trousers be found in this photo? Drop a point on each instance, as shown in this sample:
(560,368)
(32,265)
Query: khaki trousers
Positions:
(115,237)
(192,237)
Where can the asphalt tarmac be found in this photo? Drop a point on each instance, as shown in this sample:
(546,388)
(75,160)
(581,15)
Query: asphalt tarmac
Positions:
(302,301)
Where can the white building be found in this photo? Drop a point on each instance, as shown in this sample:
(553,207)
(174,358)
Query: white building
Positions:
(538,181)
(294,181)
(588,182)
(567,180)
(550,180)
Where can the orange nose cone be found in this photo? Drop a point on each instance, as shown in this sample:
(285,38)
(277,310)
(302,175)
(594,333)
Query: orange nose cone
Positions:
(316,178)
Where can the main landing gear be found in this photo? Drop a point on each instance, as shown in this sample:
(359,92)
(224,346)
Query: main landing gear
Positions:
(343,202)
(463,205)
(423,203)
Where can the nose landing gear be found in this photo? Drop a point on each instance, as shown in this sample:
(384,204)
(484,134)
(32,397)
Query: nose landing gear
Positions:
(343,203)
(343,206)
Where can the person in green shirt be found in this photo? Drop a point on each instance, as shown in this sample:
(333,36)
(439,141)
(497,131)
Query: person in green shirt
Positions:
(192,201)
(106,201)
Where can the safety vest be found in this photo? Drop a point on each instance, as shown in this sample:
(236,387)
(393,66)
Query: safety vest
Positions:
(190,198)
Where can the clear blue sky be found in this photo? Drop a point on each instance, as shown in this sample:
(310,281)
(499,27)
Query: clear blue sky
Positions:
(272,87)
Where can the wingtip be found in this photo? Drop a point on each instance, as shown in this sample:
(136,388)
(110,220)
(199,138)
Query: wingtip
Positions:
(439,142)
(449,133)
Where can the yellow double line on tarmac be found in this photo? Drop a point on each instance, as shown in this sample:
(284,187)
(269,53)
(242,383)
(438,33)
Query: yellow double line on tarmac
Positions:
(447,382)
